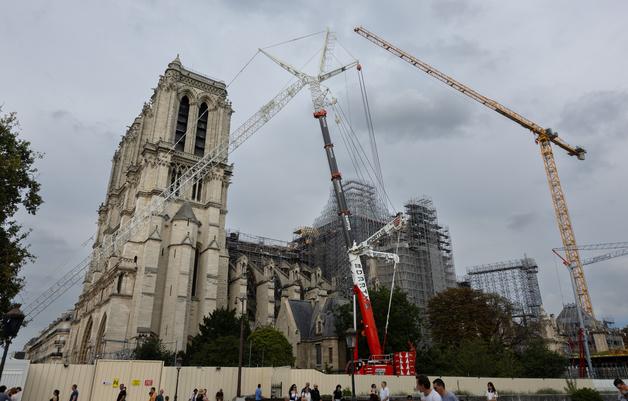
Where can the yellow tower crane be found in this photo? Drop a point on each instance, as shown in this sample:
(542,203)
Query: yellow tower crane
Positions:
(543,136)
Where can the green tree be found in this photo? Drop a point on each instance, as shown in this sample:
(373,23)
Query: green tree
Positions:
(475,357)
(459,314)
(404,326)
(269,347)
(218,337)
(152,349)
(18,188)
(221,351)
(538,361)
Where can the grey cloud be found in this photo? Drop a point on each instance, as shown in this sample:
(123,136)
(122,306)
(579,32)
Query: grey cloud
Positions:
(59,114)
(520,221)
(455,9)
(597,116)
(409,114)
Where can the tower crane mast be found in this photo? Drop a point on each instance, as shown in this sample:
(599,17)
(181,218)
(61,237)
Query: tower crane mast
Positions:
(543,136)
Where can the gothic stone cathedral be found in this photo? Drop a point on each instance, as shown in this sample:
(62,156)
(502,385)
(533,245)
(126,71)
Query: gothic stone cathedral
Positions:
(176,269)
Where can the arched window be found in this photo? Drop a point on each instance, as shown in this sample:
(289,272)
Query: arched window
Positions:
(197,256)
(201,130)
(197,190)
(182,124)
(120,278)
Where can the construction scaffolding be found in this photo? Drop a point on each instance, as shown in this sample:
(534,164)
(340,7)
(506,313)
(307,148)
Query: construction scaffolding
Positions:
(515,280)
(260,250)
(327,249)
(426,264)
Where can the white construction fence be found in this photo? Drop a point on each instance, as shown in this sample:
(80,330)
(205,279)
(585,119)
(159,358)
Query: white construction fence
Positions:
(100,382)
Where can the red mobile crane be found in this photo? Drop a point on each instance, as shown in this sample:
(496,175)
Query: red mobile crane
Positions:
(400,363)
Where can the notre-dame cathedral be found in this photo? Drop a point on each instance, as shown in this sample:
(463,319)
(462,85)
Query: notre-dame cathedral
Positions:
(180,266)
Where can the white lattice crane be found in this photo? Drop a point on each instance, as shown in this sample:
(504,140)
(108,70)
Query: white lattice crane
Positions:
(617,249)
(158,203)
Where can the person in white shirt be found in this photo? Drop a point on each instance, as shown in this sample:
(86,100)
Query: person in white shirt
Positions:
(491,393)
(423,385)
(384,393)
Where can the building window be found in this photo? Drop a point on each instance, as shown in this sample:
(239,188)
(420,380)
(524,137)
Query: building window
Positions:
(197,256)
(197,191)
(182,124)
(319,327)
(319,355)
(331,355)
(175,176)
(120,278)
(201,130)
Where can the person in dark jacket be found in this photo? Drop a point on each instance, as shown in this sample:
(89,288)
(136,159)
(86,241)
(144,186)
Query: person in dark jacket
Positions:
(315,394)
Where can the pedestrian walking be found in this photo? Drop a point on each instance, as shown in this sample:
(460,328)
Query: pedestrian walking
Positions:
(122,393)
(3,393)
(220,396)
(338,393)
(55,396)
(439,387)
(384,393)
(423,385)
(316,395)
(193,396)
(373,396)
(205,398)
(307,387)
(491,393)
(152,394)
(622,388)
(306,395)
(74,395)
(294,395)
(258,393)
(160,396)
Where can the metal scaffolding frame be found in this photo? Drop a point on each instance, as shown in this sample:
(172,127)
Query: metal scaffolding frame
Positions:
(426,264)
(327,250)
(515,280)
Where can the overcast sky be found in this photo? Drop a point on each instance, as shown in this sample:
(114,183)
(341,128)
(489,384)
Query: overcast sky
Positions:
(78,72)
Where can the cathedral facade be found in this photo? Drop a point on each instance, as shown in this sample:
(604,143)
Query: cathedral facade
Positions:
(180,266)
(173,270)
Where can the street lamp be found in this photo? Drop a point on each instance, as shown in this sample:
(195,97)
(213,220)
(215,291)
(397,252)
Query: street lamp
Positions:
(10,325)
(176,388)
(351,337)
(239,389)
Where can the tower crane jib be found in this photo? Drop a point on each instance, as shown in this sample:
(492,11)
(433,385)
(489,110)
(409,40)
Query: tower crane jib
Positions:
(543,136)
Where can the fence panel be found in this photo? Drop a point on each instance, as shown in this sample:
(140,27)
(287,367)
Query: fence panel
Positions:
(15,373)
(138,376)
(43,379)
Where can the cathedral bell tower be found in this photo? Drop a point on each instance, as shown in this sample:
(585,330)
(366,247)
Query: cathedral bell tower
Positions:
(173,271)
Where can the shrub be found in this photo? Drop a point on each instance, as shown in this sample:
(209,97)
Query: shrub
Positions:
(549,391)
(346,392)
(586,394)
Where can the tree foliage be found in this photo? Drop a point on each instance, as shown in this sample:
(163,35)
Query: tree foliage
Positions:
(152,349)
(404,325)
(459,314)
(538,361)
(218,340)
(269,347)
(18,188)
(474,335)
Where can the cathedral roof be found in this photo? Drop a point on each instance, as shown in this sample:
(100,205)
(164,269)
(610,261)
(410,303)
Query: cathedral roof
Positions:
(305,316)
(302,312)
(186,213)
